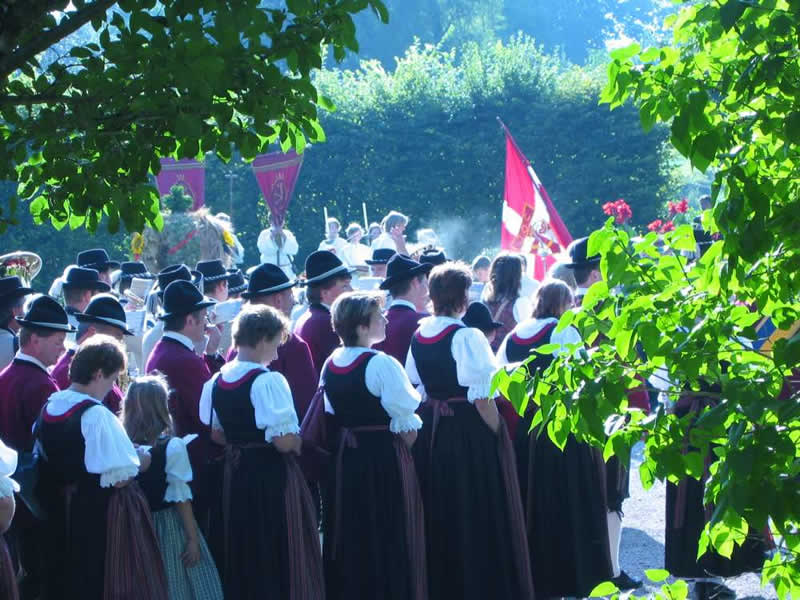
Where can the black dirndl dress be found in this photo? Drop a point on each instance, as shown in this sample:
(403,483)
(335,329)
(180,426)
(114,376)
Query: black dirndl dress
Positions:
(564,496)
(271,542)
(374,544)
(473,514)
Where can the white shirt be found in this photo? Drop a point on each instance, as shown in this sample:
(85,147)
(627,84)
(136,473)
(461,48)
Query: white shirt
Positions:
(27,357)
(386,379)
(475,362)
(356,255)
(178,469)
(529,328)
(337,246)
(109,452)
(6,348)
(384,240)
(270,396)
(280,256)
(150,340)
(8,464)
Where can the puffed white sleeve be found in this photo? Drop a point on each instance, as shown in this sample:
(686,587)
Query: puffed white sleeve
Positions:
(386,379)
(8,464)
(413,374)
(109,452)
(274,408)
(178,470)
(475,362)
(523,309)
(501,357)
(205,404)
(264,243)
(290,246)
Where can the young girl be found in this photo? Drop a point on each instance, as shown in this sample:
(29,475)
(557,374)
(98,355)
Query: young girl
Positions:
(191,573)
(271,542)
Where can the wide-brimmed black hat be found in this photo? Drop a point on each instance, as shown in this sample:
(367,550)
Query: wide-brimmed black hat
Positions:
(323,265)
(577,254)
(11,288)
(97,259)
(212,270)
(105,308)
(433,256)
(177,273)
(381,256)
(181,298)
(267,279)
(84,278)
(129,270)
(479,317)
(46,313)
(236,283)
(402,267)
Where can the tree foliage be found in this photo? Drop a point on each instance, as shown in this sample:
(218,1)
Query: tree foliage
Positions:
(82,133)
(729,88)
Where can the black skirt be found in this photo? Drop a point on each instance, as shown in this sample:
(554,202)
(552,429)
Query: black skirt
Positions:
(685,520)
(369,550)
(474,528)
(566,516)
(270,528)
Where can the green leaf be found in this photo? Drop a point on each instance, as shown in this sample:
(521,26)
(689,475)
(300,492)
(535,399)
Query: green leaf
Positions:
(623,54)
(656,575)
(604,589)
(791,128)
(730,12)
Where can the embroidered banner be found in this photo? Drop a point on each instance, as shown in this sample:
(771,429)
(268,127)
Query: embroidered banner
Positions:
(188,173)
(277,174)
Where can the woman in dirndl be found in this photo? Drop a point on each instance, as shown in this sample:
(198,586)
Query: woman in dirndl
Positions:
(191,572)
(475,528)
(271,541)
(374,530)
(564,493)
(99,533)
(8,464)
(503,295)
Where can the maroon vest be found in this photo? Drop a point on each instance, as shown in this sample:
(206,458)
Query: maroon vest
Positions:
(402,322)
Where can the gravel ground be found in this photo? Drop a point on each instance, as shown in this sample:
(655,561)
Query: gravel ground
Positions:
(643,536)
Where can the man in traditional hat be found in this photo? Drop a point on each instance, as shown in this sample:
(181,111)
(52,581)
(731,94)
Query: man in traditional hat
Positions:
(587,272)
(184,316)
(165,277)
(98,260)
(80,285)
(130,271)
(269,285)
(12,300)
(407,284)
(333,243)
(327,278)
(103,315)
(380,258)
(215,279)
(236,284)
(25,386)
(433,257)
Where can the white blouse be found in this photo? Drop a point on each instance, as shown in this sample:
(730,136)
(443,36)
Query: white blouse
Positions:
(270,396)
(109,452)
(564,338)
(8,464)
(386,379)
(475,362)
(178,469)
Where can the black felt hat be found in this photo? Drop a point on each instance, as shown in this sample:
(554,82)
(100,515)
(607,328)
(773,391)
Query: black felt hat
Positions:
(46,313)
(129,270)
(97,259)
(433,256)
(236,283)
(381,256)
(177,273)
(105,308)
(577,254)
(401,267)
(84,278)
(212,270)
(267,279)
(479,317)
(11,288)
(181,298)
(323,265)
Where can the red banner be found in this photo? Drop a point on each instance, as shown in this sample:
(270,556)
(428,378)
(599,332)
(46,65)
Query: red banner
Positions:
(188,173)
(277,174)
(531,224)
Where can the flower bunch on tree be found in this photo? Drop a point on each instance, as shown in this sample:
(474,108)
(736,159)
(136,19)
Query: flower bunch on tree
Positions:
(620,210)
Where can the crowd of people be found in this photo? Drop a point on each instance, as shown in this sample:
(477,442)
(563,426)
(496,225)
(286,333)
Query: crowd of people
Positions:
(195,443)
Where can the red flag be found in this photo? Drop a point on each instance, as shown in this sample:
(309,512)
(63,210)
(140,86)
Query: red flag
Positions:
(531,224)
(277,174)
(188,173)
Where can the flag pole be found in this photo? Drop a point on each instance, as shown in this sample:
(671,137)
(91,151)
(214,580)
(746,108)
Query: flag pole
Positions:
(325,212)
(366,220)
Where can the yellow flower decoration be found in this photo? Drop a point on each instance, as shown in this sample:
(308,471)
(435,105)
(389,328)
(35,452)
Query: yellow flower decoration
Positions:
(227,238)
(137,244)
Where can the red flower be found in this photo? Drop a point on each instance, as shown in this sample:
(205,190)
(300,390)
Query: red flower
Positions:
(608,208)
(678,207)
(655,225)
(668,226)
(619,210)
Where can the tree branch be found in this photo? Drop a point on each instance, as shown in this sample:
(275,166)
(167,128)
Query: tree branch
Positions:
(69,24)
(35,99)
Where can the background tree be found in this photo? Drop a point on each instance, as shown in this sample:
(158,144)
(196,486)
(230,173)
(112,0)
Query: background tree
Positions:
(728,86)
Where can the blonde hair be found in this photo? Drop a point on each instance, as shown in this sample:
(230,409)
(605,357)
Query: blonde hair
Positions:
(350,310)
(563,273)
(145,414)
(552,299)
(259,322)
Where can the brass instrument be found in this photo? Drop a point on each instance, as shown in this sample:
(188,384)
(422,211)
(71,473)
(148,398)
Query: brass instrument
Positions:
(25,265)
